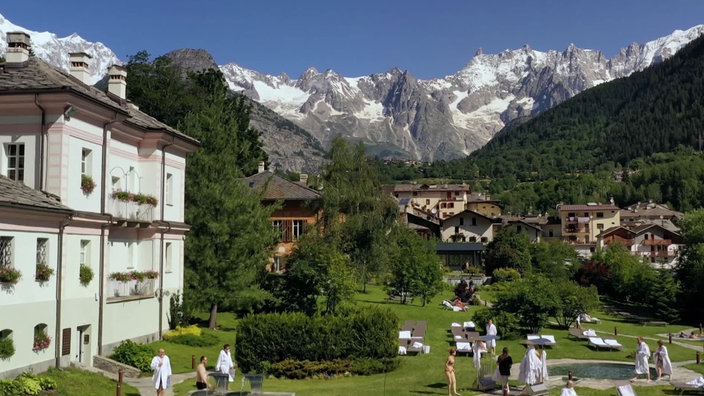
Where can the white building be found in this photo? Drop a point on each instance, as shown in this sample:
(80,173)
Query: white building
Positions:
(58,135)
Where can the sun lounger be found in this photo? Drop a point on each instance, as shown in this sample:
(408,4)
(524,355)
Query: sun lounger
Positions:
(625,390)
(682,386)
(600,343)
(614,344)
(578,333)
(463,347)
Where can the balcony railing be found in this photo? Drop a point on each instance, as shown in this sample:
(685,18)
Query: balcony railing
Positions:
(131,211)
(132,288)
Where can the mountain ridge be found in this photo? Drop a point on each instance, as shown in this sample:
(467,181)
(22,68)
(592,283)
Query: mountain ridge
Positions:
(393,112)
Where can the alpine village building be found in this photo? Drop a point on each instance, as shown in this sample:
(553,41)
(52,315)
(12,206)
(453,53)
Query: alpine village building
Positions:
(92,214)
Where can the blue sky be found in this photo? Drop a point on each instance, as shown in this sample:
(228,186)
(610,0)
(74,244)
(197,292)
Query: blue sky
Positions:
(429,38)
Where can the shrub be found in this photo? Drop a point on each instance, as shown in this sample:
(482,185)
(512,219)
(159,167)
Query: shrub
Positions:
(353,333)
(178,331)
(506,323)
(85,274)
(203,340)
(506,274)
(9,387)
(28,384)
(134,354)
(7,348)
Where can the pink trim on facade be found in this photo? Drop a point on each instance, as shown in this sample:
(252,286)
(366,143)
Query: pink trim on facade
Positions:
(78,133)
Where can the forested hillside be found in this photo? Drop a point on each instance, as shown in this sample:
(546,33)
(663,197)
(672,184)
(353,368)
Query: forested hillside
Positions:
(633,139)
(651,111)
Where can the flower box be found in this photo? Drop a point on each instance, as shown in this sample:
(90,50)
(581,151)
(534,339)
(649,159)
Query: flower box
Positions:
(9,275)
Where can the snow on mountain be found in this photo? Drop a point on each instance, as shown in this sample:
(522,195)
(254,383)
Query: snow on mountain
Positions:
(443,118)
(400,116)
(55,50)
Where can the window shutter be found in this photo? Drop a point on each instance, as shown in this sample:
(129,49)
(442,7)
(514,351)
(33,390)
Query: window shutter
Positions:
(66,342)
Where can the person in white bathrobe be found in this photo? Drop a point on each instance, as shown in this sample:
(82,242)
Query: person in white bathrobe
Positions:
(491,331)
(530,368)
(224,363)
(642,356)
(161,365)
(543,372)
(662,361)
(568,390)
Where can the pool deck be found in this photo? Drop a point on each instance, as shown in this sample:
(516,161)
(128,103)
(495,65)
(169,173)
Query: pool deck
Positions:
(679,373)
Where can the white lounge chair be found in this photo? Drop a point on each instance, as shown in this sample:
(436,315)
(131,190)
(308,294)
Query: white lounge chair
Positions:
(463,346)
(600,343)
(625,390)
(614,344)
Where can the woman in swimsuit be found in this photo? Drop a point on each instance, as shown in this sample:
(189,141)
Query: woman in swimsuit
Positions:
(450,373)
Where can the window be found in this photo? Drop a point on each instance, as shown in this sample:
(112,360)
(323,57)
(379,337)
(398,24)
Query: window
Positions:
(298,228)
(474,221)
(485,240)
(457,230)
(116,183)
(278,228)
(427,202)
(599,226)
(451,205)
(599,215)
(15,161)
(473,239)
(168,189)
(461,220)
(5,252)
(84,257)
(42,246)
(86,155)
(518,228)
(168,258)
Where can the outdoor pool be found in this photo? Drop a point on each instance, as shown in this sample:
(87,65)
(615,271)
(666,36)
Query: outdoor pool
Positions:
(612,371)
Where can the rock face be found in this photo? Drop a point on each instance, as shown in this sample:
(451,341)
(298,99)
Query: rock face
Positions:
(289,147)
(394,113)
(398,115)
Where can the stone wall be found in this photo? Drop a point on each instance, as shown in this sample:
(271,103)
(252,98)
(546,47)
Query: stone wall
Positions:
(113,366)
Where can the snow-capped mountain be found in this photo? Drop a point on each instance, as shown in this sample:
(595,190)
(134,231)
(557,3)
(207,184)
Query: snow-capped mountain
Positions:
(399,115)
(394,113)
(55,50)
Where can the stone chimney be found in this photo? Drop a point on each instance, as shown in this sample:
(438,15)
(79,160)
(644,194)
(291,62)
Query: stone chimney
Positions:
(303,179)
(79,66)
(260,167)
(17,49)
(117,84)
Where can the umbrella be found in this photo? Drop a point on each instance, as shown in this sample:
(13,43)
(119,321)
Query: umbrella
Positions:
(541,341)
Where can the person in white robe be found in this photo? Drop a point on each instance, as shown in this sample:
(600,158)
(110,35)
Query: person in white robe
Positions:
(529,370)
(543,371)
(478,348)
(491,331)
(161,365)
(662,361)
(642,356)
(568,390)
(225,364)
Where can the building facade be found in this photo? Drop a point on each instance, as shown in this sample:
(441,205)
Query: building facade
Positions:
(120,175)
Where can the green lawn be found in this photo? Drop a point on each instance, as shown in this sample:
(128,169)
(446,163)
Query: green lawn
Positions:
(73,381)
(423,374)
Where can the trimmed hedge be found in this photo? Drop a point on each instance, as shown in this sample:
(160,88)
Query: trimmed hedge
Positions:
(354,335)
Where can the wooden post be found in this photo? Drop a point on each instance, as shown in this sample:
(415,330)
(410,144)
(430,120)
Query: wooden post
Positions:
(193,362)
(698,357)
(118,390)
(669,337)
(615,331)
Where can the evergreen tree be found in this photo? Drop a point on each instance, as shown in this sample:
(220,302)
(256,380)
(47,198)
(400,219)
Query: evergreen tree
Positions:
(231,237)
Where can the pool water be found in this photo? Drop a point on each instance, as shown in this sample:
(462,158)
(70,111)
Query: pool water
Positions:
(597,370)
